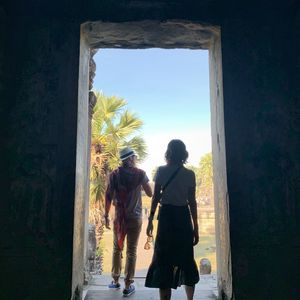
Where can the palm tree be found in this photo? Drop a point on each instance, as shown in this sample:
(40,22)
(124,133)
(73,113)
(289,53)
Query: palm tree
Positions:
(113,127)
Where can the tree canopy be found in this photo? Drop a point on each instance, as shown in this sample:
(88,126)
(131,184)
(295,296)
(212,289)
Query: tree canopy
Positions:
(204,179)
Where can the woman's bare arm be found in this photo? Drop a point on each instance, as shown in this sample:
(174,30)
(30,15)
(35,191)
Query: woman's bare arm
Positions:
(155,199)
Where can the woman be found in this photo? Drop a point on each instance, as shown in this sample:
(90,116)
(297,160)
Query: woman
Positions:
(173,261)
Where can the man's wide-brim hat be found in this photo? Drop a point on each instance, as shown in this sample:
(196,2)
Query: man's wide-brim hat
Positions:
(126,152)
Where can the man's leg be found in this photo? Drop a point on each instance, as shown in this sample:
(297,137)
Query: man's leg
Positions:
(134,227)
(116,259)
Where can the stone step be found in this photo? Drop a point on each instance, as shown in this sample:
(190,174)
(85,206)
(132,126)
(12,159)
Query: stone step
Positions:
(97,289)
(150,294)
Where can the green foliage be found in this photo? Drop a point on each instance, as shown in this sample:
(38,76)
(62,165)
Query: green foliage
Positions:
(206,163)
(98,180)
(204,179)
(205,170)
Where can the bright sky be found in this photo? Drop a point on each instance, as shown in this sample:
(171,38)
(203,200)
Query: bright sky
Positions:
(168,90)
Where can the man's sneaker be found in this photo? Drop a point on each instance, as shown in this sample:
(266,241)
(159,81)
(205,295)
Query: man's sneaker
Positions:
(114,285)
(129,291)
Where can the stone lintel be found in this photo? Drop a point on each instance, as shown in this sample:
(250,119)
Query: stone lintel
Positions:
(149,34)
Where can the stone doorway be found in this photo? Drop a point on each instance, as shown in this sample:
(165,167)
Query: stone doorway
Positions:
(141,35)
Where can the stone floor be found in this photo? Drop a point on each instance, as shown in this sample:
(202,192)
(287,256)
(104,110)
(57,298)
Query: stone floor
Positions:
(206,289)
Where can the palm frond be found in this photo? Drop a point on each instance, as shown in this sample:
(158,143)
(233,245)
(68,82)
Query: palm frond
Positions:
(97,178)
(97,189)
(138,144)
(113,161)
(128,124)
(109,107)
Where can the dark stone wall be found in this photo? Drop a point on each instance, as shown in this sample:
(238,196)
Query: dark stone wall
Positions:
(41,113)
(262,128)
(3,103)
(39,53)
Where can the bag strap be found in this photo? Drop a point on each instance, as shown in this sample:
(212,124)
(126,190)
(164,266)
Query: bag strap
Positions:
(171,178)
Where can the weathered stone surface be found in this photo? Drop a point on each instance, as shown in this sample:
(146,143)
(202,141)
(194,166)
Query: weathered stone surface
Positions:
(92,68)
(169,34)
(92,265)
(89,263)
(92,242)
(92,103)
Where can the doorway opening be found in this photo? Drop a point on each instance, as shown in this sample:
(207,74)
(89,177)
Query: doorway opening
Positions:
(144,35)
(166,91)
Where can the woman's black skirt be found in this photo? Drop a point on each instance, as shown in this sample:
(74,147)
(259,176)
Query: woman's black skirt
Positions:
(173,261)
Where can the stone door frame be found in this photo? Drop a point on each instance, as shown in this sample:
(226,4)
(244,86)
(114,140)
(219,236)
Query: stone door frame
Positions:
(141,35)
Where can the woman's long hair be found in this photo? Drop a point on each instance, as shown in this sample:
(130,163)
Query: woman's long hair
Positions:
(176,152)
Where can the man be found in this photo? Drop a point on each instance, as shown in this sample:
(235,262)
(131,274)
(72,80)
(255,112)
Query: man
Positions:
(125,190)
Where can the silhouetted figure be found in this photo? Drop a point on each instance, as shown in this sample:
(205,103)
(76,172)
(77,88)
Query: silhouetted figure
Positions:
(125,190)
(173,261)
